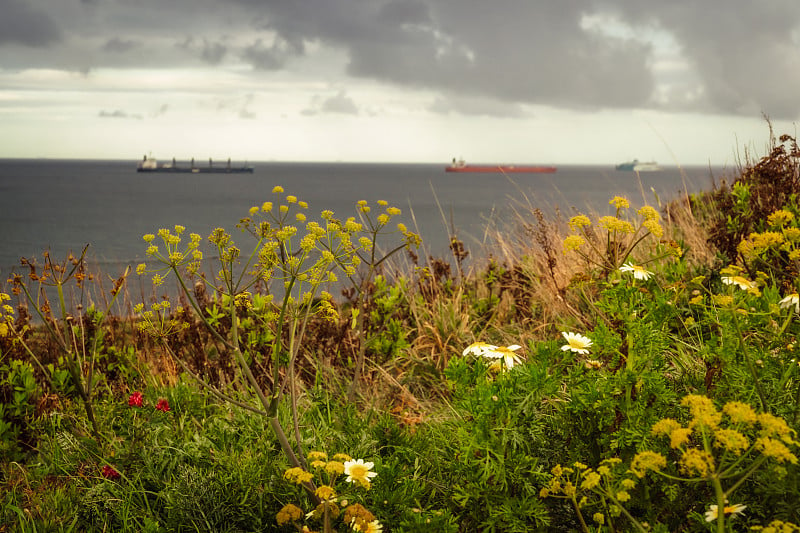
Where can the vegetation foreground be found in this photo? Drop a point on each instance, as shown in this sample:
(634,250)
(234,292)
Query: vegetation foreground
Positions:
(632,371)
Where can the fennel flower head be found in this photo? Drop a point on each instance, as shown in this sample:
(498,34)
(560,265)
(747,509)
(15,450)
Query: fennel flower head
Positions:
(576,343)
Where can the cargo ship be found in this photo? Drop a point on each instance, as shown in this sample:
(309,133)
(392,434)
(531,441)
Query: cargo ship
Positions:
(150,164)
(639,166)
(461,166)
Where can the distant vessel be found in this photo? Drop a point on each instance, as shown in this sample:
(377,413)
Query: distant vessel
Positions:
(639,166)
(461,166)
(150,164)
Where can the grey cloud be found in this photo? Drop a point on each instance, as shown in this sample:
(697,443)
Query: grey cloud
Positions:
(119,46)
(734,56)
(340,103)
(213,53)
(23,24)
(746,54)
(268,57)
(452,103)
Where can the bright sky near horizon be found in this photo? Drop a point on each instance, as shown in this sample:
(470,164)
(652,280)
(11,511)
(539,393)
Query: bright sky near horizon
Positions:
(513,81)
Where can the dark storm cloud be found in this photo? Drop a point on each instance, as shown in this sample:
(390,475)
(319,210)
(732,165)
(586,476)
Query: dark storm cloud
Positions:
(732,56)
(23,24)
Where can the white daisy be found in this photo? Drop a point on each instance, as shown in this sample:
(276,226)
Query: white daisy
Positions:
(791,300)
(732,510)
(740,281)
(359,471)
(576,342)
(506,353)
(479,348)
(638,272)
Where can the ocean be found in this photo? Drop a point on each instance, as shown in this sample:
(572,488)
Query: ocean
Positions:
(63,205)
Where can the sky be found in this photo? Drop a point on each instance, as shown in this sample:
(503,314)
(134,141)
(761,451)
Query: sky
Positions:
(682,82)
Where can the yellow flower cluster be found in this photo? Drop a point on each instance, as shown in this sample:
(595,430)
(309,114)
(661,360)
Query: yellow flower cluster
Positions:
(622,235)
(297,475)
(783,236)
(6,316)
(289,513)
(617,225)
(647,460)
(587,486)
(172,257)
(737,429)
(777,526)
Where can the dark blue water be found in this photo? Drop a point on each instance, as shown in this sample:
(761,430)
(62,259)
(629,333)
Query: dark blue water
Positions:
(63,205)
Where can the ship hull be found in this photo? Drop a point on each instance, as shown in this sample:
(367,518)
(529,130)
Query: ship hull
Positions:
(501,169)
(199,170)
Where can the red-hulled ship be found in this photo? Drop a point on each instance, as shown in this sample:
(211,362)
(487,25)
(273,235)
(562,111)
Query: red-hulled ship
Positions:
(461,166)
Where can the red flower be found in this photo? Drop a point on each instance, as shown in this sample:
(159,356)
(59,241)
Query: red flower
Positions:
(162,405)
(136,399)
(110,473)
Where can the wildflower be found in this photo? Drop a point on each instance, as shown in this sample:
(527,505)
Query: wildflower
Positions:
(590,480)
(109,473)
(648,212)
(289,513)
(373,527)
(654,227)
(599,518)
(576,342)
(592,364)
(506,353)
(135,399)
(731,440)
(162,405)
(573,242)
(359,517)
(312,455)
(277,189)
(616,224)
(780,218)
(297,475)
(647,460)
(637,271)
(478,348)
(619,202)
(334,468)
(702,409)
(775,449)
(776,426)
(697,461)
(791,300)
(740,281)
(665,426)
(359,471)
(732,510)
(325,492)
(579,221)
(679,437)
